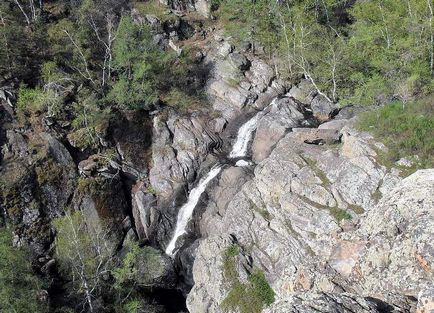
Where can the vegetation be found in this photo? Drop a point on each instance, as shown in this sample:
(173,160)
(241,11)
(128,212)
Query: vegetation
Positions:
(84,60)
(406,129)
(20,287)
(84,254)
(339,214)
(249,297)
(364,52)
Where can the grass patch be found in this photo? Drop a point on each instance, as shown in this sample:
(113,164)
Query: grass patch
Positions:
(233,81)
(319,173)
(49,173)
(249,297)
(407,131)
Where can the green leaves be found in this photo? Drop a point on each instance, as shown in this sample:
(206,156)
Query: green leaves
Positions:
(139,65)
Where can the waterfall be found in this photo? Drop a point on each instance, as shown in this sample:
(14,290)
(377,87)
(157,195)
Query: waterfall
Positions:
(244,136)
(186,211)
(239,150)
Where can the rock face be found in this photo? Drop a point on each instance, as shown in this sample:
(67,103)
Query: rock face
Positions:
(324,302)
(332,229)
(240,82)
(179,146)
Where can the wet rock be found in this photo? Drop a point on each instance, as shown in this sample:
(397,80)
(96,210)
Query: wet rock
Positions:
(180,144)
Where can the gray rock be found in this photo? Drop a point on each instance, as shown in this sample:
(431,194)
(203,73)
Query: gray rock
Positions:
(425,303)
(304,92)
(323,109)
(349,112)
(334,124)
(283,115)
(239,61)
(143,206)
(317,136)
(260,74)
(225,49)
(324,302)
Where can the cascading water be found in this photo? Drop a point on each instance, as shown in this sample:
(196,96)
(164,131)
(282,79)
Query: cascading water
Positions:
(244,136)
(239,150)
(186,211)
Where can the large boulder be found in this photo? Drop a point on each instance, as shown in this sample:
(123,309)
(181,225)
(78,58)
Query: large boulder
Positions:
(282,116)
(322,108)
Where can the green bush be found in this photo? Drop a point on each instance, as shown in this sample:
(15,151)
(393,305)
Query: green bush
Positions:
(250,297)
(406,129)
(37,100)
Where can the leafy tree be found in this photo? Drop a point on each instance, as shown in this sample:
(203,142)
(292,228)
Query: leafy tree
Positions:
(19,285)
(139,65)
(84,254)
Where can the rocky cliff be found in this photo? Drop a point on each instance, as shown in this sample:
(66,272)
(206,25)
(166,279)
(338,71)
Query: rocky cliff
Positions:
(312,207)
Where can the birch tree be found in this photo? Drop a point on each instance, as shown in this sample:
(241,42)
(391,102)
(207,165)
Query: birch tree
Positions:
(84,255)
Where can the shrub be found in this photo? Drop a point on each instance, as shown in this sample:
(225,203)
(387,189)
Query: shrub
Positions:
(340,214)
(249,297)
(36,100)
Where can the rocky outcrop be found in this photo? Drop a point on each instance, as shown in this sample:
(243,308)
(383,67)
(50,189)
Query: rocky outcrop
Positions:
(179,146)
(331,228)
(325,303)
(203,7)
(283,115)
(103,203)
(240,82)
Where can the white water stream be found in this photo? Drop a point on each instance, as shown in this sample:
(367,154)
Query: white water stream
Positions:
(239,150)
(187,209)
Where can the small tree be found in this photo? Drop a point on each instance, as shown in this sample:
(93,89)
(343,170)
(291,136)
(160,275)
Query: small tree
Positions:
(84,255)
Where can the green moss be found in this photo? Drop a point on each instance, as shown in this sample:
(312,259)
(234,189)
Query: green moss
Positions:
(233,82)
(313,164)
(154,7)
(262,211)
